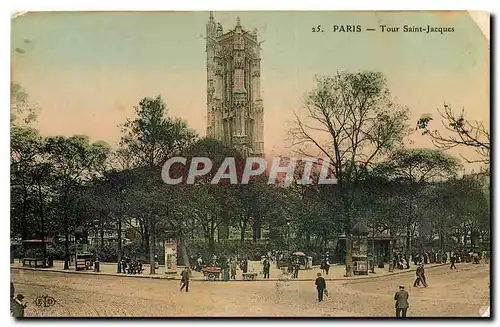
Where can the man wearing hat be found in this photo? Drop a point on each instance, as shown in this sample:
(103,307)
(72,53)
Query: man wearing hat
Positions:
(420,276)
(185,279)
(401,298)
(321,287)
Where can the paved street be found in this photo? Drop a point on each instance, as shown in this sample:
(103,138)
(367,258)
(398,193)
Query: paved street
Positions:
(336,271)
(451,293)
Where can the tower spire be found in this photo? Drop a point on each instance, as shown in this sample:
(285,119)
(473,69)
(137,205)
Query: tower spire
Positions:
(238,21)
(211,17)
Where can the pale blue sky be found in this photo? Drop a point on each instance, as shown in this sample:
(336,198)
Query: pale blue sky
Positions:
(87,70)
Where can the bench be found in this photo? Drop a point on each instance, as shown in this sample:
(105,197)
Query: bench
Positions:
(249,276)
(38,262)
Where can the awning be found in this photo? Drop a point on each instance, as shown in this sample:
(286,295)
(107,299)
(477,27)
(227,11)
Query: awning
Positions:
(299,254)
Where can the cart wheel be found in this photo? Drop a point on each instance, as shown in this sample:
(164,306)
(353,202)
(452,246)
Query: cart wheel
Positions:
(211,277)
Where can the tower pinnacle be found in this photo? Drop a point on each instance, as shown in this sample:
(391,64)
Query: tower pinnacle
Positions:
(238,21)
(211,15)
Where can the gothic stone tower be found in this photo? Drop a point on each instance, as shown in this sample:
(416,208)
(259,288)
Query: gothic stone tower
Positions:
(234,105)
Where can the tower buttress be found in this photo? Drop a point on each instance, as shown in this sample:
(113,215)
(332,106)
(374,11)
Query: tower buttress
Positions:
(211,30)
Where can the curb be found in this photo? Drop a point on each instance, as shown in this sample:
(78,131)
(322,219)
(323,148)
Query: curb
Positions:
(372,276)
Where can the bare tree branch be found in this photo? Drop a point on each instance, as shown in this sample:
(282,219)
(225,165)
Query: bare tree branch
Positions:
(468,133)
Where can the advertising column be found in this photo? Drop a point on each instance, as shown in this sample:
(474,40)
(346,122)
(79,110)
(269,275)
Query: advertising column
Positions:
(170,257)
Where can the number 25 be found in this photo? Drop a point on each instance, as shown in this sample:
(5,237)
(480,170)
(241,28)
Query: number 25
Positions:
(317,29)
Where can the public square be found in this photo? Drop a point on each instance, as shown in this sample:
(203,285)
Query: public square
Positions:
(451,293)
(144,154)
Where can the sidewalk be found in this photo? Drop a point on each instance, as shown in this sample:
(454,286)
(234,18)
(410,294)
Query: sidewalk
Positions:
(336,272)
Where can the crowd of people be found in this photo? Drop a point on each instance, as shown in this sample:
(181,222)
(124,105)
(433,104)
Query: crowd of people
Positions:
(130,266)
(227,265)
(401,297)
(434,257)
(399,261)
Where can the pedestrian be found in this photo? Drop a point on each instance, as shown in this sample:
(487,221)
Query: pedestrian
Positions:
(199,262)
(225,269)
(296,270)
(185,279)
(322,266)
(320,286)
(475,257)
(129,267)
(124,265)
(267,267)
(453,259)
(96,264)
(244,266)
(18,306)
(394,263)
(327,266)
(290,266)
(233,269)
(401,298)
(420,276)
(417,280)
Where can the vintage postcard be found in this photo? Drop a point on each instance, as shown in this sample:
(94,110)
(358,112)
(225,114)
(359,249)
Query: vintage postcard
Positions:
(250,164)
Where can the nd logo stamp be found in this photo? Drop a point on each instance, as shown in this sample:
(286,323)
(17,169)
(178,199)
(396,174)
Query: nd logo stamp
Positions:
(45,301)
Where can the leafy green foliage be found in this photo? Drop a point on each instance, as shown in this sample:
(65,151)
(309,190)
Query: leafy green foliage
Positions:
(59,183)
(22,111)
(153,136)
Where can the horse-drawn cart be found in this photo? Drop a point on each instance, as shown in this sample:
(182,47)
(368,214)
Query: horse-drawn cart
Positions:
(212,273)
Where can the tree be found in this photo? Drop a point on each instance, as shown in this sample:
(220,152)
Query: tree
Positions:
(312,209)
(254,202)
(108,199)
(353,122)
(379,201)
(414,169)
(211,203)
(464,132)
(22,110)
(148,140)
(152,136)
(470,208)
(75,160)
(26,152)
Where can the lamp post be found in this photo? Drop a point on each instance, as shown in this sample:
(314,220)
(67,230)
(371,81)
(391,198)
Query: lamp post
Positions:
(288,235)
(121,194)
(373,250)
